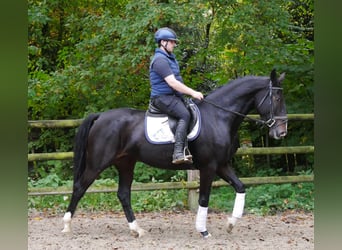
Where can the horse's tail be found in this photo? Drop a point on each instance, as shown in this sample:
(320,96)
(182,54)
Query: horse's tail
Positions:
(80,146)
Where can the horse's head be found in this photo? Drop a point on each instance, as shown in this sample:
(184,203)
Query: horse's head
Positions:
(271,106)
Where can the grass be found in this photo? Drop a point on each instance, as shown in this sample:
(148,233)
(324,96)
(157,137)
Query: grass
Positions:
(262,199)
(267,199)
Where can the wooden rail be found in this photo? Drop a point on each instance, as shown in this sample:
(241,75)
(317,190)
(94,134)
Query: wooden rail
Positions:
(240,151)
(172,185)
(76,122)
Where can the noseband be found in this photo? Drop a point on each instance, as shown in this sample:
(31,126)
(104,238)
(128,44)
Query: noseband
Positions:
(271,121)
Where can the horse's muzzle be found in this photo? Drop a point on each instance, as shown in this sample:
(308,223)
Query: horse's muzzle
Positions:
(279,129)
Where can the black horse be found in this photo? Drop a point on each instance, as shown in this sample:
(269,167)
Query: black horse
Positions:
(116,137)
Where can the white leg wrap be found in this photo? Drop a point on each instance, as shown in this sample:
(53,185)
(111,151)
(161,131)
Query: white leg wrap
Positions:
(133,226)
(67,222)
(201,219)
(239,205)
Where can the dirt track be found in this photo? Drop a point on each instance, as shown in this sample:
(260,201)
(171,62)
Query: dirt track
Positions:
(171,231)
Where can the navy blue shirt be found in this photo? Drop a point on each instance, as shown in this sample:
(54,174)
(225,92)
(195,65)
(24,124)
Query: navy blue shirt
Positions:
(163,65)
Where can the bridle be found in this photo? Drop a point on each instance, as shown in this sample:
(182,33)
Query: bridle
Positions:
(271,121)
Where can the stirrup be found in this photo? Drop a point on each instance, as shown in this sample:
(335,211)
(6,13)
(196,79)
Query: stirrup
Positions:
(187,154)
(181,161)
(185,158)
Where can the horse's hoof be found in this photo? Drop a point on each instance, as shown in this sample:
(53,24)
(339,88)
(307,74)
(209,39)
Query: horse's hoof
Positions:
(138,234)
(231,223)
(66,230)
(141,233)
(135,234)
(230,228)
(205,235)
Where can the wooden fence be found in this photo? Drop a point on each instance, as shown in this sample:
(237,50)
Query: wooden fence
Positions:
(241,151)
(191,185)
(173,185)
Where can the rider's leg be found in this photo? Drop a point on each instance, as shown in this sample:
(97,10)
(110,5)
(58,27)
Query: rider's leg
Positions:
(179,156)
(174,106)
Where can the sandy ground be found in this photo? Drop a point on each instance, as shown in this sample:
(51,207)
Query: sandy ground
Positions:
(171,230)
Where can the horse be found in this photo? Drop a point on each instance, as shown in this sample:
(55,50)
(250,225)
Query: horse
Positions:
(116,137)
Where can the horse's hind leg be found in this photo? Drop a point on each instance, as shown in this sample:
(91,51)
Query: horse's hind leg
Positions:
(125,169)
(79,189)
(228,174)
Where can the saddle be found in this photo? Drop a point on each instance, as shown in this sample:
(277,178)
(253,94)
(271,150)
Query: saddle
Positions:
(160,128)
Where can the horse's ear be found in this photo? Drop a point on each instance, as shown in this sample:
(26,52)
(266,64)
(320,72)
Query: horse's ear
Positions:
(274,76)
(281,77)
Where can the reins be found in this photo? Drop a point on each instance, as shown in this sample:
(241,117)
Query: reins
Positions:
(234,112)
(269,123)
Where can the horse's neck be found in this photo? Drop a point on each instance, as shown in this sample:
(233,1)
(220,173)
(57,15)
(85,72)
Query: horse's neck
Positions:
(238,98)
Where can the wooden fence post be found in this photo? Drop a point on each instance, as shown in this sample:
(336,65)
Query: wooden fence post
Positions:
(193,194)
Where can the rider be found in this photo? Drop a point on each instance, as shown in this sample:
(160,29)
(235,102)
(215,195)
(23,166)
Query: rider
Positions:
(167,89)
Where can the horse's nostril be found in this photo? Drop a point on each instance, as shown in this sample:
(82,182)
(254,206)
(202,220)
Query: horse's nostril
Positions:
(283,134)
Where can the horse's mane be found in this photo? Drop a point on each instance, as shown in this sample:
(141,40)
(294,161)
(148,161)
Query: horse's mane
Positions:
(240,85)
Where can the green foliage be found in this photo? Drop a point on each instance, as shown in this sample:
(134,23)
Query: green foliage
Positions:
(84,58)
(51,180)
(144,173)
(262,200)
(142,201)
(159,200)
(146,201)
(51,140)
(269,199)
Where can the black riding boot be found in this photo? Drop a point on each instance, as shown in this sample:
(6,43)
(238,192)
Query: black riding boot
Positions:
(179,155)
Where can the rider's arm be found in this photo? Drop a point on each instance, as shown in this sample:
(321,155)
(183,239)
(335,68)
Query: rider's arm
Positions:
(162,67)
(182,88)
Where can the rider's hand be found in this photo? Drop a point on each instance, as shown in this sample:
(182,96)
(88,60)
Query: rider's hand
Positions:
(197,95)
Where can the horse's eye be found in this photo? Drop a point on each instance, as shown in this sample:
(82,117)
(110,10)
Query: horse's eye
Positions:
(277,98)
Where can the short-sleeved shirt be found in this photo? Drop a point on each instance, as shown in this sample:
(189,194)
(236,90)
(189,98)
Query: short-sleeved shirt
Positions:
(163,65)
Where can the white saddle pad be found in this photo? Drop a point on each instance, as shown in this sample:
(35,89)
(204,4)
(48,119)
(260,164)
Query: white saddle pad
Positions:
(157,129)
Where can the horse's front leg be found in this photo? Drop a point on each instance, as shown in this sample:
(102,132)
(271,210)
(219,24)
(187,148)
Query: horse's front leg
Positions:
(206,179)
(124,195)
(228,174)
